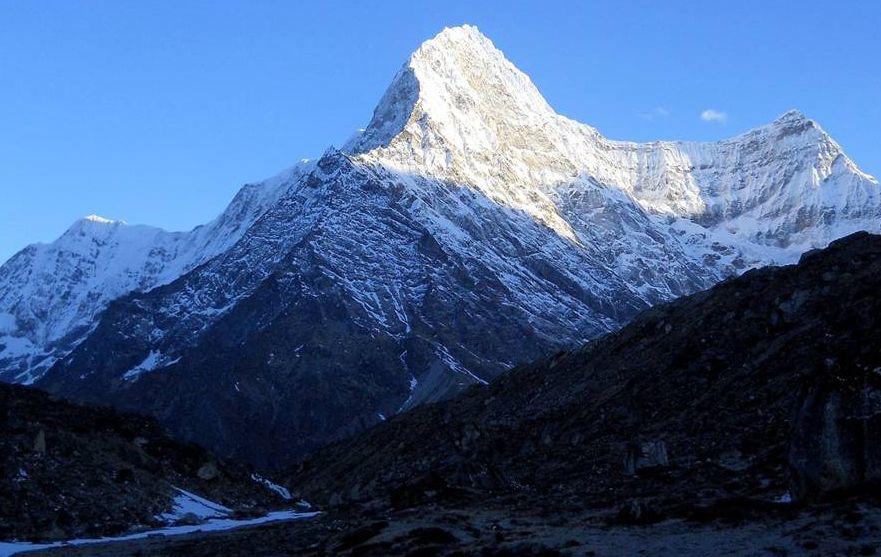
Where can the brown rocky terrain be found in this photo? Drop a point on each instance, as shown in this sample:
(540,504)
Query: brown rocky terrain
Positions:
(73,471)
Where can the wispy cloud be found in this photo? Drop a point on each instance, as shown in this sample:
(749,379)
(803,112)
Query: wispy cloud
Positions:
(656,112)
(711,115)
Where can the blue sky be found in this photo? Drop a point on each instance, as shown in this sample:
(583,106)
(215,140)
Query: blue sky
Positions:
(157,112)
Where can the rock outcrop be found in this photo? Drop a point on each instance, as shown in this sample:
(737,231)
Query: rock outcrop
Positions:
(836,441)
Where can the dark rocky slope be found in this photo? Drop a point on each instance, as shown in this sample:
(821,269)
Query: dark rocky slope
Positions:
(76,471)
(713,409)
(710,408)
(687,411)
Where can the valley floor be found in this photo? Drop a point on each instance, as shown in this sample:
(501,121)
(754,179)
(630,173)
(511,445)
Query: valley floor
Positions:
(844,528)
(7,549)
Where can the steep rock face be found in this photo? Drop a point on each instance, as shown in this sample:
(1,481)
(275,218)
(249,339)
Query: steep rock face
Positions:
(367,311)
(467,229)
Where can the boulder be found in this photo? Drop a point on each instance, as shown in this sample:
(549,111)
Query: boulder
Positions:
(645,456)
(836,439)
(40,442)
(208,471)
(637,512)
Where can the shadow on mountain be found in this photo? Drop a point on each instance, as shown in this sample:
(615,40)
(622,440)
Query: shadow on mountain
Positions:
(368,312)
(722,404)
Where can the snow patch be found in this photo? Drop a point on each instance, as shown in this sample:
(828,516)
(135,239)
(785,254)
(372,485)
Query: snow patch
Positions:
(153,361)
(282,491)
(14,347)
(189,503)
(784,499)
(7,549)
(454,364)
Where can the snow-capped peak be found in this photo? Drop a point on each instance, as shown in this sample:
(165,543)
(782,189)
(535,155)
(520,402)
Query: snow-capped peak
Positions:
(460,112)
(98,227)
(793,114)
(459,85)
(794,122)
(460,66)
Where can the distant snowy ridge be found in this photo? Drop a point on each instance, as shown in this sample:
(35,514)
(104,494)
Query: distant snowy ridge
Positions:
(50,294)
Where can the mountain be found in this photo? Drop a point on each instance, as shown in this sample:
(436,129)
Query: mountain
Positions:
(765,388)
(51,295)
(72,471)
(467,229)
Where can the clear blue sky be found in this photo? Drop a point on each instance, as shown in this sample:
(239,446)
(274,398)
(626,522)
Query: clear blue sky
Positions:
(156,112)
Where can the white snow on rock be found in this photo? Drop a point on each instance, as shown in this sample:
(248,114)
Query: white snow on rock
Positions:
(154,360)
(270,485)
(459,111)
(214,517)
(187,503)
(7,323)
(102,220)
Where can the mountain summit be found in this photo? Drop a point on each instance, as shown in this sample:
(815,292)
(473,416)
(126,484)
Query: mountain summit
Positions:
(467,229)
(461,88)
